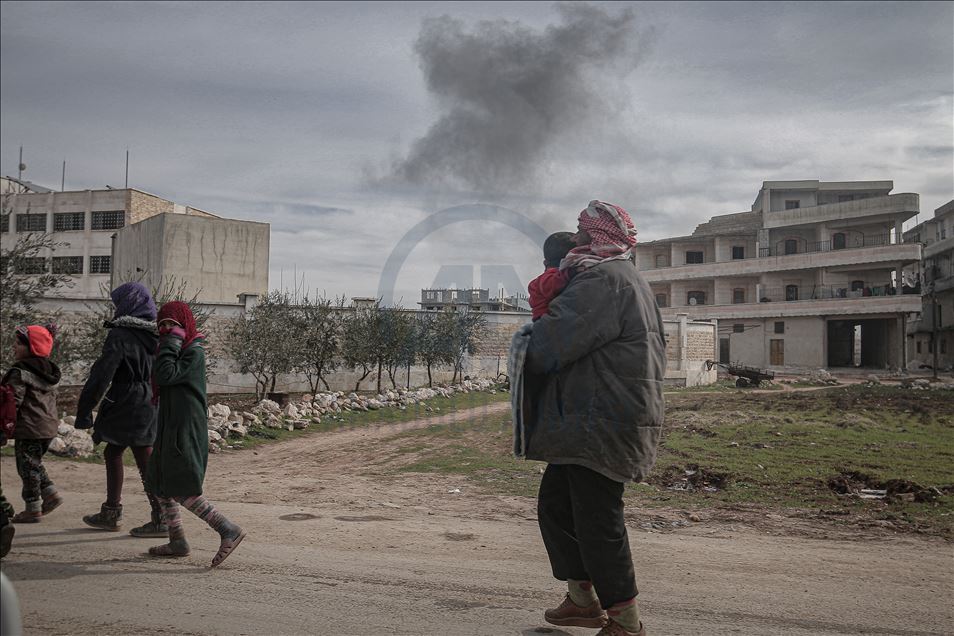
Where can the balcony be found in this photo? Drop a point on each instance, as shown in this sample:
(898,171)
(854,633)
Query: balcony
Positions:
(882,253)
(893,204)
(812,303)
(845,243)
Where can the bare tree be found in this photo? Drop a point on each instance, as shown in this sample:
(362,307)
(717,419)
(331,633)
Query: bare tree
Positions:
(262,342)
(318,324)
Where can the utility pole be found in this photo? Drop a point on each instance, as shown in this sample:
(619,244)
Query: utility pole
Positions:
(63,179)
(935,319)
(21,166)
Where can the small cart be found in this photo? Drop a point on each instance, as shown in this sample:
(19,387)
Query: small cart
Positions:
(744,376)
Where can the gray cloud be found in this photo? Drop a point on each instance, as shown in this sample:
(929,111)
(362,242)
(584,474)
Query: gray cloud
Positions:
(507,93)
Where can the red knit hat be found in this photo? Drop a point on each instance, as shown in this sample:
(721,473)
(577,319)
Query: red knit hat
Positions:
(39,339)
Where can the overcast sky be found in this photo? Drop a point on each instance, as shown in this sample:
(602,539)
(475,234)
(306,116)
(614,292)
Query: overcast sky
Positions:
(345,125)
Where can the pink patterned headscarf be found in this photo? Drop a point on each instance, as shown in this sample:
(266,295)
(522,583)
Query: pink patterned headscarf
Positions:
(613,234)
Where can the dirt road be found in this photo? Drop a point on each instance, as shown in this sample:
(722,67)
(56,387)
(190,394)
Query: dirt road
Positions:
(339,546)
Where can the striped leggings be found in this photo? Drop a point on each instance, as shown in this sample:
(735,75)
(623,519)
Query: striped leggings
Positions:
(197,505)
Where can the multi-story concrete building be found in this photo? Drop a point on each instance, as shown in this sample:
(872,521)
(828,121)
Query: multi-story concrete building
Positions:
(810,277)
(470,299)
(931,337)
(152,237)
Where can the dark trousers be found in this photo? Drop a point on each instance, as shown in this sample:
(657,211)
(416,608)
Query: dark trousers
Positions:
(29,454)
(581,519)
(115,474)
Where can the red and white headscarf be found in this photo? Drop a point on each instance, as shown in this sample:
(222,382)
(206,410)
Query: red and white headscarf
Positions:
(613,234)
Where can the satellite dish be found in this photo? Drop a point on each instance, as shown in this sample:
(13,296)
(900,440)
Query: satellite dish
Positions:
(22,167)
(692,301)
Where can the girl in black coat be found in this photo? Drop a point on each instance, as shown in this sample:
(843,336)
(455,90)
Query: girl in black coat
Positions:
(121,380)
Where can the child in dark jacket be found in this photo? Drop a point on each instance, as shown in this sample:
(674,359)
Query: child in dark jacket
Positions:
(33,379)
(176,470)
(551,282)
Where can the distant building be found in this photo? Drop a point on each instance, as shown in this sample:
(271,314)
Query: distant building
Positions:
(469,300)
(810,277)
(178,240)
(931,337)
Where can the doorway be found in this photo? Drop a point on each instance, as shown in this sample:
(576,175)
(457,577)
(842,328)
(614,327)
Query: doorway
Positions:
(777,353)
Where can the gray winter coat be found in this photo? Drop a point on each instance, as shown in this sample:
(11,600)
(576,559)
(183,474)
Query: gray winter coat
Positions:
(602,351)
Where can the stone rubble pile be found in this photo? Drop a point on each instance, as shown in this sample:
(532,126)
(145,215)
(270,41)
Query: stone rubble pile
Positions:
(226,427)
(71,442)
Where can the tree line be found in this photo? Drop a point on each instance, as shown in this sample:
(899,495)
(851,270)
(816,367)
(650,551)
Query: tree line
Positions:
(318,336)
(279,335)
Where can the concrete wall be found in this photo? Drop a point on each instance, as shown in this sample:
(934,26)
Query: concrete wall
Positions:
(217,258)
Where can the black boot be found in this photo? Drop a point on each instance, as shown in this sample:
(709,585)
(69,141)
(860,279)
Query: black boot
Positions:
(155,528)
(108,518)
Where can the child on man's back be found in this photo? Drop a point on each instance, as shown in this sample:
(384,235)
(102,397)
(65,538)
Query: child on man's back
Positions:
(551,282)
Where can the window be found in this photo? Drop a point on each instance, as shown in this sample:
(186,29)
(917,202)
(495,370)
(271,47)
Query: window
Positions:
(109,220)
(738,251)
(662,300)
(857,285)
(791,292)
(838,241)
(694,258)
(792,204)
(662,260)
(69,221)
(35,265)
(67,264)
(944,345)
(919,346)
(779,327)
(791,246)
(738,296)
(4,222)
(100,264)
(696,298)
(31,223)
(738,328)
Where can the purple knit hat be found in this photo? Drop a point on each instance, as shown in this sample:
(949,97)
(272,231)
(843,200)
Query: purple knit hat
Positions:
(133,299)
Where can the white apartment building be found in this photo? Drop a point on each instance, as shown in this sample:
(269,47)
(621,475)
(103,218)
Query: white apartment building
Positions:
(83,223)
(931,337)
(810,277)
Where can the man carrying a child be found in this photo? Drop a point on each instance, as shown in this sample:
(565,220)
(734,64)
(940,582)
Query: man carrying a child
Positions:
(598,349)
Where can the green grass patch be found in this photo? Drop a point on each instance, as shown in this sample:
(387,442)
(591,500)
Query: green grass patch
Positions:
(790,450)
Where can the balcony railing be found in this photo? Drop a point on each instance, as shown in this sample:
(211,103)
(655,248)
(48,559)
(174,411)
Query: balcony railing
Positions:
(791,293)
(850,242)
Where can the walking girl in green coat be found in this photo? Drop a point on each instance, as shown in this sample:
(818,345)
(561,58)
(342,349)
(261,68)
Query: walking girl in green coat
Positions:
(176,468)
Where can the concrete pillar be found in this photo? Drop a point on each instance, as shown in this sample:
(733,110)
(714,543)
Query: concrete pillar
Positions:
(898,233)
(716,246)
(758,292)
(672,256)
(683,341)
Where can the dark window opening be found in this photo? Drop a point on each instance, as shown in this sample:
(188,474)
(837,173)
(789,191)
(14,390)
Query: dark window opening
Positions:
(696,298)
(112,220)
(944,346)
(67,264)
(100,264)
(662,300)
(694,258)
(919,346)
(69,221)
(738,251)
(4,223)
(791,292)
(738,328)
(792,205)
(857,285)
(33,265)
(779,327)
(31,223)
(838,241)
(791,246)
(738,296)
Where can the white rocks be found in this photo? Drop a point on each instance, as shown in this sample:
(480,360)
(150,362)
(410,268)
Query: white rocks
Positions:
(64,429)
(299,424)
(269,406)
(273,422)
(70,419)
(290,411)
(214,437)
(78,443)
(57,446)
(219,410)
(872,379)
(237,430)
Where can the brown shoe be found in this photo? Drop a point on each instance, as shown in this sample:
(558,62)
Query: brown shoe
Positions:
(613,628)
(27,516)
(51,503)
(569,614)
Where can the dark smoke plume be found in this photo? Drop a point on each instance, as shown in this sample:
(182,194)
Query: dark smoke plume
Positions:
(508,92)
